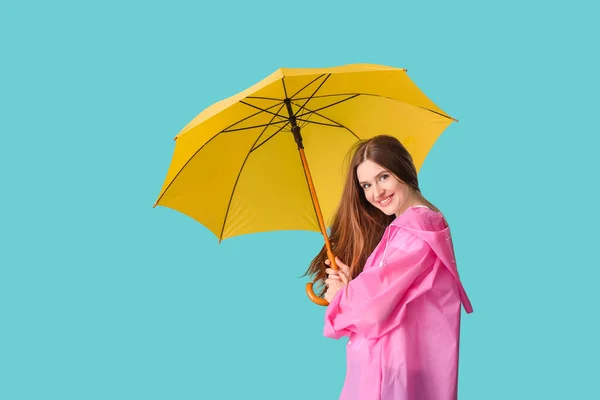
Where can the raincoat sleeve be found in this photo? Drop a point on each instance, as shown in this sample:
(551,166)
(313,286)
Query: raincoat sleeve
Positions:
(373,304)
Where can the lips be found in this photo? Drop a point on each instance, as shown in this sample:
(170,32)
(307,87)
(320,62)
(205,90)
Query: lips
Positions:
(385,201)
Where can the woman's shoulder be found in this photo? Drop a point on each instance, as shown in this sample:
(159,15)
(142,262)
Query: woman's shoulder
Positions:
(421,218)
(418,226)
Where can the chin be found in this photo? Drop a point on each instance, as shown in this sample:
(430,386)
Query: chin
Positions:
(387,211)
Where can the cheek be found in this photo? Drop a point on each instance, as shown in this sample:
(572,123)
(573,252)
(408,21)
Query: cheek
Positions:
(369,196)
(402,193)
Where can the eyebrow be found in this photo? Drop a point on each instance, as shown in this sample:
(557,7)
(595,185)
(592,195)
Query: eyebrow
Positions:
(376,176)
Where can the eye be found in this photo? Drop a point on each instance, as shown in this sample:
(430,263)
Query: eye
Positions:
(383,177)
(365,186)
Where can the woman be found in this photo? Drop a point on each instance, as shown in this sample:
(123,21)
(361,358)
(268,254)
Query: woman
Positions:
(398,298)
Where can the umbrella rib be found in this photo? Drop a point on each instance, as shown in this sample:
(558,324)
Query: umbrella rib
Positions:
(284,88)
(319,123)
(264,109)
(248,117)
(330,105)
(312,96)
(438,113)
(413,105)
(329,119)
(255,126)
(240,173)
(326,95)
(383,97)
(310,83)
(269,138)
(263,98)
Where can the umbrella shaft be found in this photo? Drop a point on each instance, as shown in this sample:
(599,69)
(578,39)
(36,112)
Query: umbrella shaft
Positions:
(311,186)
(313,194)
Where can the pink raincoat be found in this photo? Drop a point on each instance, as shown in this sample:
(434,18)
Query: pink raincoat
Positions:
(402,315)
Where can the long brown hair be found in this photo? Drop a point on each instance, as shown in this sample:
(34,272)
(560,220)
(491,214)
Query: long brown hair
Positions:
(357,225)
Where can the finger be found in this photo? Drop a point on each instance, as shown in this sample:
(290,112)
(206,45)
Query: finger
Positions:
(346,273)
(339,262)
(331,271)
(345,269)
(344,279)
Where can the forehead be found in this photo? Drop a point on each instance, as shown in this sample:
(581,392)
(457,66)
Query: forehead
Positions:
(368,170)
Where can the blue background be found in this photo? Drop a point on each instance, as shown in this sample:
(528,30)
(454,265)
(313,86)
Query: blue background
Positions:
(104,297)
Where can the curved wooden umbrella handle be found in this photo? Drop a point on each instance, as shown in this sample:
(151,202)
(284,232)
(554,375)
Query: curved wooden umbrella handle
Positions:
(309,286)
(313,297)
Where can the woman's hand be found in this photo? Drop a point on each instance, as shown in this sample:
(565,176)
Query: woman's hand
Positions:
(336,280)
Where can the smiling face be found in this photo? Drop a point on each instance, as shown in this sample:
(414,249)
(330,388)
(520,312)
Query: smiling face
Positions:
(381,188)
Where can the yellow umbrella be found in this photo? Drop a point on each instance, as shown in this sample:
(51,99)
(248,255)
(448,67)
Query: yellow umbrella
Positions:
(242,165)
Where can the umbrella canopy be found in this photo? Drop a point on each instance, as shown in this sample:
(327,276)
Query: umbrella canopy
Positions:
(242,165)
